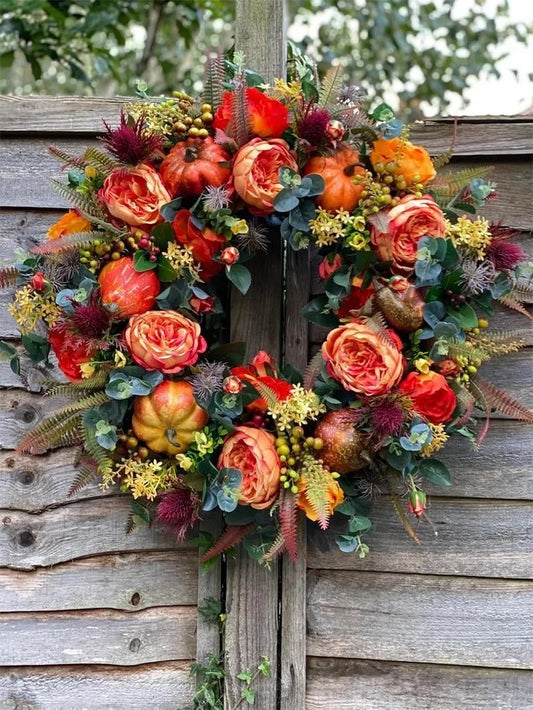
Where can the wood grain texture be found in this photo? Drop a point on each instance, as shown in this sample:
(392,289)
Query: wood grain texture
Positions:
(293,590)
(420,619)
(108,637)
(161,686)
(377,685)
(72,532)
(209,586)
(21,411)
(34,483)
(251,591)
(466,529)
(128,582)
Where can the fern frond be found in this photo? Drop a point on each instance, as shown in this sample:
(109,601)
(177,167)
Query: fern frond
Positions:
(86,475)
(275,550)
(439,161)
(482,402)
(100,160)
(502,401)
(39,437)
(215,73)
(100,455)
(77,199)
(131,524)
(288,523)
(312,370)
(229,538)
(57,430)
(457,349)
(380,327)
(71,434)
(446,187)
(503,342)
(317,495)
(241,121)
(69,242)
(330,86)
(514,305)
(267,394)
(522,292)
(8,276)
(74,389)
(63,157)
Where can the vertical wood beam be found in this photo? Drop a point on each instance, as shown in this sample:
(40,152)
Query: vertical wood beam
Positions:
(252,595)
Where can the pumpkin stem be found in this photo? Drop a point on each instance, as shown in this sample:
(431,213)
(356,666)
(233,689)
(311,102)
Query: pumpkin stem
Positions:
(170,434)
(191,154)
(349,170)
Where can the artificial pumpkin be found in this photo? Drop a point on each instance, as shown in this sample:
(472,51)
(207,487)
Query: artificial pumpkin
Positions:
(194,164)
(338,171)
(125,291)
(167,419)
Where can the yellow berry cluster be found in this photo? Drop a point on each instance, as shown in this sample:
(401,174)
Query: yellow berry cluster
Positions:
(98,253)
(128,446)
(191,125)
(375,195)
(290,450)
(470,364)
(388,174)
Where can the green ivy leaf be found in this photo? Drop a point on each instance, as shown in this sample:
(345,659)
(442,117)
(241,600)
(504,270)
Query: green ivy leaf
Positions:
(435,471)
(240,277)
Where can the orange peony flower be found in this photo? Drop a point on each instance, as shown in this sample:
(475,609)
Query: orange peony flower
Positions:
(134,196)
(431,395)
(253,452)
(256,172)
(164,341)
(410,220)
(362,361)
(335,495)
(69,223)
(412,161)
(204,242)
(268,117)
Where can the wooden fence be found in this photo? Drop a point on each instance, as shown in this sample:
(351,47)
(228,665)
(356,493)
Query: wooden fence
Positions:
(93,618)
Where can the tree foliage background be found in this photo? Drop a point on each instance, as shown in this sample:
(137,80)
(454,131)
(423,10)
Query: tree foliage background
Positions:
(425,50)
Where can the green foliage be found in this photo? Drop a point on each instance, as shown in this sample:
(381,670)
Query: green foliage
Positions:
(94,46)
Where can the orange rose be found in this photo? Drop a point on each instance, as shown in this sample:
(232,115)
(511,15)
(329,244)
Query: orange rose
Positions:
(335,498)
(135,196)
(262,370)
(256,172)
(362,361)
(412,162)
(410,220)
(268,117)
(204,242)
(69,223)
(431,395)
(164,340)
(253,452)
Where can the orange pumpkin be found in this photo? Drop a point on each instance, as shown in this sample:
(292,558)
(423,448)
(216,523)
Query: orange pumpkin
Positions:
(194,164)
(338,171)
(167,419)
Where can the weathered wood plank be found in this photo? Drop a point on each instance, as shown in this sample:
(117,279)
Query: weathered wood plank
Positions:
(422,619)
(293,589)
(21,411)
(71,114)
(33,483)
(23,229)
(108,637)
(252,591)
(466,530)
(128,582)
(165,686)
(209,586)
(58,114)
(73,531)
(377,685)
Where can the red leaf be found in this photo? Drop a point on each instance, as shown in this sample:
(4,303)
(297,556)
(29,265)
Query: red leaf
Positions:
(230,537)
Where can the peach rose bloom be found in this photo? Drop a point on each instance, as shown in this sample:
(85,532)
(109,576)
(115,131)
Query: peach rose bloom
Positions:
(412,161)
(253,452)
(335,498)
(361,361)
(135,196)
(256,172)
(69,223)
(164,341)
(410,220)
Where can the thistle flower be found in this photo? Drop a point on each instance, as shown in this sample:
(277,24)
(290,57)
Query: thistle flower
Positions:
(351,94)
(61,269)
(89,320)
(207,380)
(369,487)
(312,127)
(477,276)
(255,240)
(178,510)
(130,143)
(387,417)
(505,256)
(215,198)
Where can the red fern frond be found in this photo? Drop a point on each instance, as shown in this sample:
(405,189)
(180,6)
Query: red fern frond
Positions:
(502,401)
(515,305)
(288,523)
(230,537)
(8,276)
(275,550)
(312,370)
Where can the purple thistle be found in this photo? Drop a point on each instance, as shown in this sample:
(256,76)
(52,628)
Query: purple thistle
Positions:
(505,255)
(130,143)
(312,127)
(178,511)
(387,417)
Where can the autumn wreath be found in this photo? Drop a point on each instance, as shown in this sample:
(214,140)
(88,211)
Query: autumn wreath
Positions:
(128,292)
